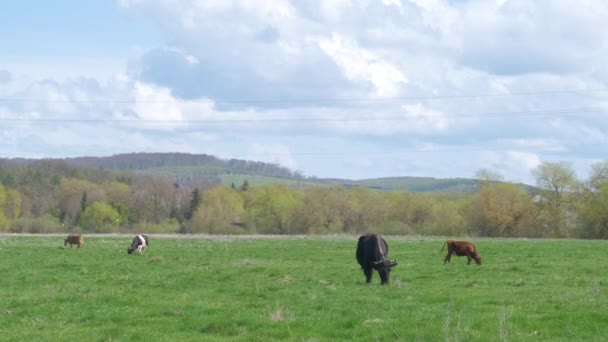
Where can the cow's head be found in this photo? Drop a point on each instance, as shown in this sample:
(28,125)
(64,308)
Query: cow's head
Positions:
(130,250)
(384,269)
(477,258)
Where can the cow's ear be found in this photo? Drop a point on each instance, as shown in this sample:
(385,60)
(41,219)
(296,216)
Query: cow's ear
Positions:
(393,263)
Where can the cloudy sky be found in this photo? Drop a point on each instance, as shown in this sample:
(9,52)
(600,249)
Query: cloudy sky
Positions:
(334,88)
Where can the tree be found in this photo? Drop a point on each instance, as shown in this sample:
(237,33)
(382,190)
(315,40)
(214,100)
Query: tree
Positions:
(195,200)
(10,206)
(83,201)
(219,210)
(180,204)
(594,212)
(150,199)
(486,175)
(501,210)
(558,185)
(74,196)
(594,215)
(100,217)
(273,208)
(117,194)
(599,174)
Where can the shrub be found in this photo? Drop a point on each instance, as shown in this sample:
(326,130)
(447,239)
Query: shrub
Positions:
(44,224)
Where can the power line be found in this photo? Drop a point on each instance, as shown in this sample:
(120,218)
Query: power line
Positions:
(283,101)
(569,111)
(469,148)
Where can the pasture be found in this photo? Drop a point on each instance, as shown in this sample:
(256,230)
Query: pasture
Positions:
(299,289)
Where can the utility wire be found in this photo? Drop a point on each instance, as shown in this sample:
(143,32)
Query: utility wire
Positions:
(569,111)
(470,148)
(282,101)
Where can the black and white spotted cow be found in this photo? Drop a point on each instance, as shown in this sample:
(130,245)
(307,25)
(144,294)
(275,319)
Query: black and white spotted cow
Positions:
(140,242)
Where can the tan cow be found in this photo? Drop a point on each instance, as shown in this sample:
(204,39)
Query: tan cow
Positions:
(461,248)
(74,239)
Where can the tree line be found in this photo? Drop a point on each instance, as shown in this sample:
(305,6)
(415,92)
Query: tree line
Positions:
(54,196)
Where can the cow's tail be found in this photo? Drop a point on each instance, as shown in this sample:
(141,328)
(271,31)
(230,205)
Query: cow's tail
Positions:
(442,247)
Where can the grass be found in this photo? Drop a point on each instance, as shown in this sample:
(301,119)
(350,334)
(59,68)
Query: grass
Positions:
(299,289)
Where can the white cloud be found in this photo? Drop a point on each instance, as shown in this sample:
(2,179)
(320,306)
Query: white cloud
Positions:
(361,65)
(300,84)
(5,76)
(519,37)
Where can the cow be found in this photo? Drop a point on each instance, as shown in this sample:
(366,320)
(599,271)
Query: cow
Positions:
(372,252)
(140,242)
(461,248)
(74,239)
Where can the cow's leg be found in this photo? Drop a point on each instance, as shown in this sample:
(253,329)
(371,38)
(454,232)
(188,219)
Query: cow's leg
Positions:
(368,274)
(468,259)
(447,257)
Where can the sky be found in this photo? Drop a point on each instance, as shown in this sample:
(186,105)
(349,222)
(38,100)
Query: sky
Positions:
(335,88)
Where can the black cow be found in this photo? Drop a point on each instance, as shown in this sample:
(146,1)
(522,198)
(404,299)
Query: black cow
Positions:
(140,242)
(372,252)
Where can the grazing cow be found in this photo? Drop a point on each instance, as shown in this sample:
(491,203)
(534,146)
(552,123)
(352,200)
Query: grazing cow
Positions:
(74,239)
(461,248)
(140,242)
(372,252)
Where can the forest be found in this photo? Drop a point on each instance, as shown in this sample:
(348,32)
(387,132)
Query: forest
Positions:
(54,196)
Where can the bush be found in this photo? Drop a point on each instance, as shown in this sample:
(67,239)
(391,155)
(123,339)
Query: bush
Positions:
(100,218)
(396,228)
(170,226)
(44,224)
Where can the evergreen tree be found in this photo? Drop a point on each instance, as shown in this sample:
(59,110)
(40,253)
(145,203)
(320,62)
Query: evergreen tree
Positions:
(83,201)
(195,200)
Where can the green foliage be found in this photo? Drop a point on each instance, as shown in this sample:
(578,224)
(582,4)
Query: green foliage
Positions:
(245,185)
(502,210)
(217,213)
(35,225)
(559,207)
(6,178)
(558,185)
(74,196)
(299,289)
(170,226)
(100,217)
(594,214)
(272,208)
(319,212)
(195,200)
(10,206)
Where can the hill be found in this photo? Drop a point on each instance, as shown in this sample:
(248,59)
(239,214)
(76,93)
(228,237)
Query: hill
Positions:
(187,168)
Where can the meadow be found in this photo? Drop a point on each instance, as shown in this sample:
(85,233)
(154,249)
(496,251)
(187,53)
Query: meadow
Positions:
(299,288)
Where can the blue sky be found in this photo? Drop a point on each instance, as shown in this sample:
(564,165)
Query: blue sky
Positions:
(37,30)
(338,88)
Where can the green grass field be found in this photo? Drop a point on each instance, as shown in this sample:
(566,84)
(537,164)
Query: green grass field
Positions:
(299,289)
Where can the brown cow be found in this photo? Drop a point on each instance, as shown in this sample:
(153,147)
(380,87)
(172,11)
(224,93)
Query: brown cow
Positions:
(74,239)
(461,248)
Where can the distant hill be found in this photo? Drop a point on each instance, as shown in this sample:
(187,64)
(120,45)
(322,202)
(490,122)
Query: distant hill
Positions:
(187,168)
(421,184)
